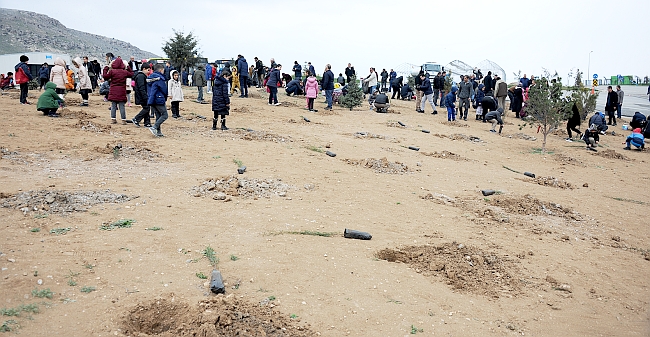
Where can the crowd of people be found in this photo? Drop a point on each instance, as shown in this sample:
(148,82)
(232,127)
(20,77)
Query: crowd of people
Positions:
(154,84)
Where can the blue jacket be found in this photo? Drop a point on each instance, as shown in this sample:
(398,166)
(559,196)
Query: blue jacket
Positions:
(44,72)
(25,69)
(242,67)
(450,100)
(393,75)
(274,78)
(220,99)
(328,80)
(636,139)
(313,71)
(426,87)
(297,70)
(478,97)
(157,89)
(208,72)
(525,82)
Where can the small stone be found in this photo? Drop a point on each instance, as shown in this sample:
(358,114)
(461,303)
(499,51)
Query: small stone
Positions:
(585,185)
(282,194)
(11,260)
(461,246)
(49,199)
(40,282)
(565,238)
(616,238)
(219,196)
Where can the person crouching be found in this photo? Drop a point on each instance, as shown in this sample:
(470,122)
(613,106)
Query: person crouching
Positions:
(636,139)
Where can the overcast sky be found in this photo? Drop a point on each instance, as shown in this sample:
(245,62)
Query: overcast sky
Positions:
(518,35)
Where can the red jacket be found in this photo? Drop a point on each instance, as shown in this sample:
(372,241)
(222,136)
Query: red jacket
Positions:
(117,75)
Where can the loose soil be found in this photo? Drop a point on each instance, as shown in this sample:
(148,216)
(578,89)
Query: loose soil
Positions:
(564,261)
(445,155)
(611,154)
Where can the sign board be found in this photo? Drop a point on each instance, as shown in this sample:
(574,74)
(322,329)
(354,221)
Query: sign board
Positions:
(595,83)
(595,76)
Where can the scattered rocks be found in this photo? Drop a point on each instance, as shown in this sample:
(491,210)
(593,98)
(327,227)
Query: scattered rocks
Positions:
(445,155)
(220,188)
(523,136)
(380,165)
(62,201)
(551,182)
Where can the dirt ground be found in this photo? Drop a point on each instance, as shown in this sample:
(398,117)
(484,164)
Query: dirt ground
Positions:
(109,231)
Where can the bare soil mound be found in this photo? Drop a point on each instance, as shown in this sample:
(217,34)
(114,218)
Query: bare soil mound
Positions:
(394,124)
(255,135)
(61,201)
(241,109)
(369,135)
(466,269)
(445,155)
(551,182)
(439,198)
(91,126)
(522,136)
(217,316)
(529,205)
(564,159)
(234,186)
(380,165)
(456,124)
(133,150)
(80,114)
(611,154)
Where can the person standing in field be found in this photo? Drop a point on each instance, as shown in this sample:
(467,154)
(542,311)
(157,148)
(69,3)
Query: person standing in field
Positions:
(621,95)
(85,86)
(349,73)
(43,75)
(118,75)
(199,81)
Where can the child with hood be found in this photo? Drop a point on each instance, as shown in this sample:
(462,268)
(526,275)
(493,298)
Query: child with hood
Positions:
(311,91)
(591,137)
(157,96)
(450,103)
(636,139)
(478,99)
(175,93)
(49,101)
(117,74)
(70,74)
(85,86)
(59,76)
(221,99)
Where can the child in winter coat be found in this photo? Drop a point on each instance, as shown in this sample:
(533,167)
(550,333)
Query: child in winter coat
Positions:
(235,80)
(117,93)
(70,74)
(221,99)
(157,96)
(311,91)
(478,98)
(175,93)
(450,103)
(59,76)
(49,101)
(636,139)
(85,86)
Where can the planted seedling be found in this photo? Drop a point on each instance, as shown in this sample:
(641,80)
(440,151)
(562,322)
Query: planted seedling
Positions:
(87,289)
(201,276)
(209,253)
(43,293)
(122,223)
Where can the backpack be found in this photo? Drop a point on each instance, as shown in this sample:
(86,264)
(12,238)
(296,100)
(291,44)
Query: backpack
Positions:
(21,77)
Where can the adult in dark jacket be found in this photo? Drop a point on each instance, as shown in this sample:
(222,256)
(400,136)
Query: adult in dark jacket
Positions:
(517,100)
(168,70)
(599,120)
(140,91)
(488,103)
(340,80)
(438,88)
(93,72)
(381,103)
(611,105)
(23,80)
(275,78)
(427,93)
(573,123)
(294,87)
(43,75)
(489,84)
(406,91)
(297,70)
(220,99)
(396,86)
(312,71)
(259,71)
(199,81)
(349,72)
(328,85)
(117,75)
(242,65)
(384,79)
(638,121)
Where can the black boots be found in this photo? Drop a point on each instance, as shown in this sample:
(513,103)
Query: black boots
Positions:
(223,123)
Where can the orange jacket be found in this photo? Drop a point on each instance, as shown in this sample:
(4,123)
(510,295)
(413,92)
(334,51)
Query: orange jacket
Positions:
(70,84)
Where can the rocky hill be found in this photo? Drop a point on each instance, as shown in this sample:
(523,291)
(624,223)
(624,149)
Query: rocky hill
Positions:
(23,31)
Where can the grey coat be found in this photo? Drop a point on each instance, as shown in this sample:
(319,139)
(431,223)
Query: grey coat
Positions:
(465,90)
(199,78)
(621,94)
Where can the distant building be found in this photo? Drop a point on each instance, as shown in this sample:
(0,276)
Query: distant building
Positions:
(36,59)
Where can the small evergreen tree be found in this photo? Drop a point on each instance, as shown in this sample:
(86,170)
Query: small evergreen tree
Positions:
(546,106)
(181,50)
(354,97)
(579,79)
